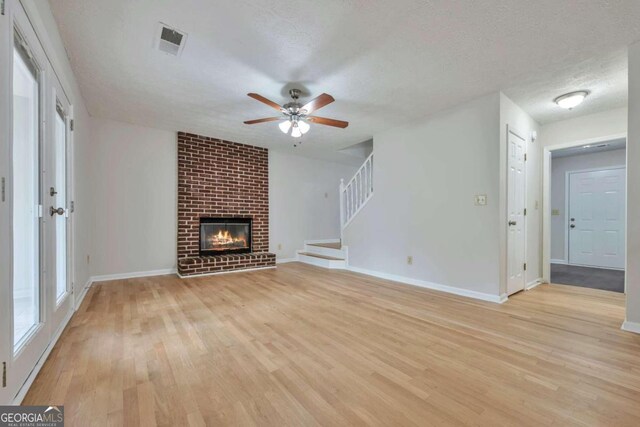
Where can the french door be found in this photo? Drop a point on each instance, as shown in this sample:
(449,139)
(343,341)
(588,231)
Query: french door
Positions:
(35,225)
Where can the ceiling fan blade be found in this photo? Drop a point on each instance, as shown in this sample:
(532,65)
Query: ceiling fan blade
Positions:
(268,119)
(265,101)
(317,103)
(328,122)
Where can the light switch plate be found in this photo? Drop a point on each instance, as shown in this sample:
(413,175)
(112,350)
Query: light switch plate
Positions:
(480,200)
(555,212)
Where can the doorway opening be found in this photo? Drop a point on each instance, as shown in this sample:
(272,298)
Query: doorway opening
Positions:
(587,206)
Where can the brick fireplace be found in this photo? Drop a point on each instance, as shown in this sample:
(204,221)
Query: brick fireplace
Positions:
(222,185)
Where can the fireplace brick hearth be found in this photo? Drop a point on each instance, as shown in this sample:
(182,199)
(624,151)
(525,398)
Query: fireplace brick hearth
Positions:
(221,179)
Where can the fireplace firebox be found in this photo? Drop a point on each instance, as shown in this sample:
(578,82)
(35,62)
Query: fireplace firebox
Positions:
(220,236)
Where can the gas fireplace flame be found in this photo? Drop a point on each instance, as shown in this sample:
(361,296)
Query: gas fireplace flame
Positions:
(224,238)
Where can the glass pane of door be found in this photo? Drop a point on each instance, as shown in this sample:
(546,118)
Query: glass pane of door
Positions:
(61,202)
(26,200)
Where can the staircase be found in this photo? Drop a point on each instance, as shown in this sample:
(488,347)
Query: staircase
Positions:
(324,253)
(356,193)
(353,197)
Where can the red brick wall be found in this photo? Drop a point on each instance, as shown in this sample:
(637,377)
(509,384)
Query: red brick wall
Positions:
(221,179)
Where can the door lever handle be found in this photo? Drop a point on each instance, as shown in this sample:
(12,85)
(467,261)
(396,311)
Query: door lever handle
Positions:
(512,223)
(53,211)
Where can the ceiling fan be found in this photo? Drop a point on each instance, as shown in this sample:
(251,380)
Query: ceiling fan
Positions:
(295,116)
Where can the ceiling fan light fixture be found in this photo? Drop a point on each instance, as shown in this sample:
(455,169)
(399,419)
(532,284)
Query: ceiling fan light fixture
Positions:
(303,126)
(571,100)
(295,131)
(293,116)
(285,126)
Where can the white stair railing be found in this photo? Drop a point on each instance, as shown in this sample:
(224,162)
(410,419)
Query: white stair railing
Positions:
(357,192)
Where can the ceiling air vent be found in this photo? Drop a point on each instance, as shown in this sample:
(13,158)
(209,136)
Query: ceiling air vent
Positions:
(169,40)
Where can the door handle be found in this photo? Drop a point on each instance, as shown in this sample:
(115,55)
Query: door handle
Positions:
(53,211)
(512,223)
(572,226)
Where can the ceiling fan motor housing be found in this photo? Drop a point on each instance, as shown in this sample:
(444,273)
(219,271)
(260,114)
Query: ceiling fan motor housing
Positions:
(295,93)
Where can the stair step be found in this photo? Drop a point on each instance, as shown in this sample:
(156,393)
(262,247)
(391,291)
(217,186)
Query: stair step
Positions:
(331,245)
(321,256)
(322,260)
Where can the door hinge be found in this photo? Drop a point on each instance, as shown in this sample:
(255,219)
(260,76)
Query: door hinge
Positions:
(71,125)
(525,157)
(525,266)
(2,7)
(4,374)
(72,206)
(525,211)
(3,187)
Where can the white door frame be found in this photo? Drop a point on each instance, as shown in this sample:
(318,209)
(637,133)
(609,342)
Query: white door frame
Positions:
(546,194)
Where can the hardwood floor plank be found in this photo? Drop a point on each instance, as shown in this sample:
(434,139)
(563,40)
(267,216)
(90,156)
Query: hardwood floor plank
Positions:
(299,345)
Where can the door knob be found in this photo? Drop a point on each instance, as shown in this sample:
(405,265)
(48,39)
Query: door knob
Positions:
(512,223)
(53,211)
(572,226)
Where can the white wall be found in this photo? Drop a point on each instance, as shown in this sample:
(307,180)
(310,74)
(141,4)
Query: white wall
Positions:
(425,178)
(304,201)
(513,117)
(134,184)
(598,125)
(559,168)
(633,192)
(134,197)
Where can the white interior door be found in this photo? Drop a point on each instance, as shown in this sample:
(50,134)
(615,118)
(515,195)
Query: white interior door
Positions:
(515,212)
(597,218)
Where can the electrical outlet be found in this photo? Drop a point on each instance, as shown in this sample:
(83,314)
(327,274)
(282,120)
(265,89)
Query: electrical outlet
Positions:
(279,246)
(326,195)
(410,260)
(481,200)
(537,204)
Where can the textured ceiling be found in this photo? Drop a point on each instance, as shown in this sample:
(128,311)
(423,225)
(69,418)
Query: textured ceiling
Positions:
(386,63)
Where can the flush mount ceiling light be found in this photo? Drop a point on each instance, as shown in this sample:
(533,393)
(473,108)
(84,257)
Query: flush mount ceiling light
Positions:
(295,116)
(572,99)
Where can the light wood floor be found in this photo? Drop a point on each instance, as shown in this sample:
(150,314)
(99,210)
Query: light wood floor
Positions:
(305,346)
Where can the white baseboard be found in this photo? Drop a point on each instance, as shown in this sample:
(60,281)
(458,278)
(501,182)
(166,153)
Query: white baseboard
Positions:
(429,285)
(532,284)
(80,297)
(34,373)
(215,273)
(119,276)
(631,327)
(558,261)
(285,260)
